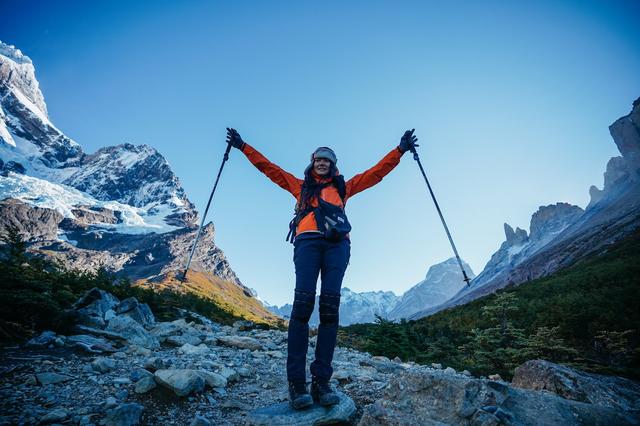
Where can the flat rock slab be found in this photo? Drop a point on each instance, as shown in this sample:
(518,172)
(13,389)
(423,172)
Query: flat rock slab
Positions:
(242,342)
(283,414)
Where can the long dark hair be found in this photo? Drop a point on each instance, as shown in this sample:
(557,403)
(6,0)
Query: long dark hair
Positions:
(311,188)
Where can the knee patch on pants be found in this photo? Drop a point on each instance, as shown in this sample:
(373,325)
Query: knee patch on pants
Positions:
(329,308)
(303,305)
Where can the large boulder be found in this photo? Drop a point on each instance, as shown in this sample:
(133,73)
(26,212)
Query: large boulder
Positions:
(124,415)
(608,391)
(241,342)
(426,396)
(133,331)
(92,307)
(283,414)
(181,382)
(163,330)
(46,338)
(89,343)
(140,312)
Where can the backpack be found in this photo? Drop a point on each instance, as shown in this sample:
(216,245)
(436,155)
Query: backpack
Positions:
(331,220)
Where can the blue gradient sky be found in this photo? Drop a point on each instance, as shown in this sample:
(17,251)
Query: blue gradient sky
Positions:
(511,102)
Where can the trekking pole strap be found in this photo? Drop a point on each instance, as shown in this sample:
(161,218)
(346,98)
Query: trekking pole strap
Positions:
(446,228)
(193,249)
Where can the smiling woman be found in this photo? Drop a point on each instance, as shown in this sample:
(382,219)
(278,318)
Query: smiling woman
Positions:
(321,246)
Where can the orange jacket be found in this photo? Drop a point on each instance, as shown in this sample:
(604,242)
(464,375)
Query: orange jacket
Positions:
(289,182)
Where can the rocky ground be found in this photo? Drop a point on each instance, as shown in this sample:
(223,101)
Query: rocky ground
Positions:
(125,368)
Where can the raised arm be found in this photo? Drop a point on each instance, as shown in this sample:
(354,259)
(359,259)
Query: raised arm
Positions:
(282,178)
(375,174)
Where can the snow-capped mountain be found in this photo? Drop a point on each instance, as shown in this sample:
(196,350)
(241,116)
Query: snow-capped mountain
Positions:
(31,145)
(442,282)
(354,307)
(121,207)
(562,234)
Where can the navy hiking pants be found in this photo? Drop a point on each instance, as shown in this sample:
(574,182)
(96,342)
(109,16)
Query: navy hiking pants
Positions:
(313,255)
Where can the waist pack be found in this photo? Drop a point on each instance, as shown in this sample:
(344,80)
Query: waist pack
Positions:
(331,220)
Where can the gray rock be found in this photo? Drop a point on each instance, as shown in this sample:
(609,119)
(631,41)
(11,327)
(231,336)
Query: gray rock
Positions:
(188,349)
(140,373)
(162,330)
(609,391)
(110,402)
(242,342)
(103,365)
(182,339)
(229,374)
(450,370)
(51,378)
(89,343)
(382,364)
(99,332)
(54,416)
(44,339)
(200,421)
(93,305)
(283,414)
(244,372)
(155,363)
(181,382)
(133,332)
(145,384)
(124,415)
(213,380)
(139,312)
(424,396)
(139,350)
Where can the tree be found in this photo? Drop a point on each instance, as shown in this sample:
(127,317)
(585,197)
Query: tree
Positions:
(546,343)
(497,348)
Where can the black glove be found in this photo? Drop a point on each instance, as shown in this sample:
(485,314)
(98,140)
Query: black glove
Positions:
(233,137)
(408,141)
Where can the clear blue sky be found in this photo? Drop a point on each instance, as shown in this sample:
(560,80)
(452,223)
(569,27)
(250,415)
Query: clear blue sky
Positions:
(511,102)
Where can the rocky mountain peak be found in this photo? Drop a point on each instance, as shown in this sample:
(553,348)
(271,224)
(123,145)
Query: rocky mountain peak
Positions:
(442,282)
(552,219)
(625,132)
(515,238)
(18,73)
(27,136)
(622,171)
(134,175)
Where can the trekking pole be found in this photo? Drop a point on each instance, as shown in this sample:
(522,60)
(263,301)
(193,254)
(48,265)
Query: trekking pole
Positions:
(417,158)
(193,249)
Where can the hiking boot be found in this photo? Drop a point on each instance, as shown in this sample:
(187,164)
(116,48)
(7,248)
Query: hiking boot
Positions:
(323,393)
(299,397)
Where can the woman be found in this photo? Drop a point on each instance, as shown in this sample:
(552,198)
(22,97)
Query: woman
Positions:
(317,251)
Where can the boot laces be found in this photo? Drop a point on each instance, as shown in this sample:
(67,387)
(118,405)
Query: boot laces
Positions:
(298,387)
(323,386)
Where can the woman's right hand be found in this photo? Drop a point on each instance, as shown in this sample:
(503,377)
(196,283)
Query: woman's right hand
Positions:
(233,137)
